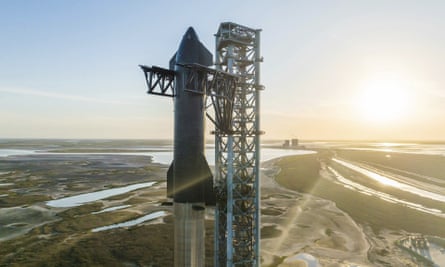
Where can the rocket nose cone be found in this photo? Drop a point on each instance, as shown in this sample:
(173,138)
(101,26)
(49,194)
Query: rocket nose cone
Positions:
(190,34)
(191,50)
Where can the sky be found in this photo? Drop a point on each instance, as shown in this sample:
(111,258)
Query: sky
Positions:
(368,70)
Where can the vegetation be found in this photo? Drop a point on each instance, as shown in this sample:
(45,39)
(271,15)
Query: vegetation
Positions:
(423,261)
(270,231)
(69,242)
(305,169)
(295,174)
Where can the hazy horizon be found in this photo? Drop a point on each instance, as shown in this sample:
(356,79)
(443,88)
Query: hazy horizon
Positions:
(339,70)
(263,140)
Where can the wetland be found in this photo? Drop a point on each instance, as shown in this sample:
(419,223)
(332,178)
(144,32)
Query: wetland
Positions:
(103,203)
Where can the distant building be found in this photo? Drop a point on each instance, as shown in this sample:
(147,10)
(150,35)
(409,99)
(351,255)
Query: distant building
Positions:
(293,144)
(286,143)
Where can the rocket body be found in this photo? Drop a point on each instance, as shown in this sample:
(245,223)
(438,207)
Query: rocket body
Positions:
(189,179)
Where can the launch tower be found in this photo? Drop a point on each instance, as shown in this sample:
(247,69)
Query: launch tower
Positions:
(237,153)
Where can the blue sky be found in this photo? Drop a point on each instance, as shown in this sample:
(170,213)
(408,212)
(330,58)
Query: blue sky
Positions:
(68,69)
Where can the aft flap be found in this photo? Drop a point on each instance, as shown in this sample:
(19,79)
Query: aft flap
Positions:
(170,180)
(207,183)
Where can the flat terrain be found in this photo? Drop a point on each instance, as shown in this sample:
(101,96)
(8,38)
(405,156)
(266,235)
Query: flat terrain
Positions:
(304,212)
(382,222)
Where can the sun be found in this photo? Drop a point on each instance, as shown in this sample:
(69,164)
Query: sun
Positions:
(383,100)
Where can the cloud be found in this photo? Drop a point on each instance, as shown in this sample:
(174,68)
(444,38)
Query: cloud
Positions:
(20,91)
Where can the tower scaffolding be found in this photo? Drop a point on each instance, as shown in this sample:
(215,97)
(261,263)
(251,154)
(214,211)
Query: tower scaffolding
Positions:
(237,153)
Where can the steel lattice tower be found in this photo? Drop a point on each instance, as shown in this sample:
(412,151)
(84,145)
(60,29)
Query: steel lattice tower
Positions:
(237,153)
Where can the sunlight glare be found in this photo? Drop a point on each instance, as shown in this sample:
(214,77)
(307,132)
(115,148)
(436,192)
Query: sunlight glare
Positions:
(383,100)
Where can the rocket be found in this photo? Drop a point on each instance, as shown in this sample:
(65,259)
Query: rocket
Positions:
(189,80)
(189,179)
